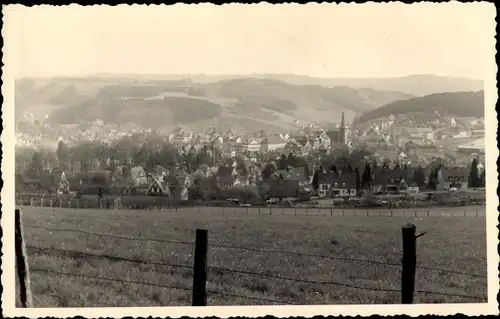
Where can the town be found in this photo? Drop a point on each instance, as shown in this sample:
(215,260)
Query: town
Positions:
(402,154)
(190,157)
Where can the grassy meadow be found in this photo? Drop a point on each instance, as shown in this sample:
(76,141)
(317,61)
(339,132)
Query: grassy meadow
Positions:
(453,243)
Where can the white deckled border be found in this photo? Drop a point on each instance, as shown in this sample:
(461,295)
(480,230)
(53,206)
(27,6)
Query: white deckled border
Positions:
(7,222)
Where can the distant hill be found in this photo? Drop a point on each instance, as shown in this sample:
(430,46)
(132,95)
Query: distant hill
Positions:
(462,104)
(418,85)
(157,102)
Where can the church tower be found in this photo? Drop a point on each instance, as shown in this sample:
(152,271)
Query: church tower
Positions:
(342,131)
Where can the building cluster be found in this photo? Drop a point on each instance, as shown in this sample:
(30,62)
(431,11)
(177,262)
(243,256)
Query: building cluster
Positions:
(239,160)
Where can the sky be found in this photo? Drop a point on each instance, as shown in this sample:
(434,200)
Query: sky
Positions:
(323,40)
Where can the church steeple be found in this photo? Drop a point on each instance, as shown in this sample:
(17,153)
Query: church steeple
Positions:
(342,131)
(342,121)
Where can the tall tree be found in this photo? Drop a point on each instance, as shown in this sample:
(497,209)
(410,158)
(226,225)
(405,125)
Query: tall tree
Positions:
(419,176)
(268,170)
(433,178)
(474,174)
(333,168)
(387,162)
(291,160)
(62,155)
(349,168)
(315,181)
(482,179)
(366,179)
(358,181)
(282,162)
(36,165)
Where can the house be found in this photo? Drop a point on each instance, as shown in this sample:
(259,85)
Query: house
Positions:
(477,131)
(412,189)
(417,133)
(138,175)
(283,188)
(292,146)
(275,142)
(157,187)
(454,177)
(337,185)
(225,181)
(296,173)
(256,144)
(344,185)
(241,181)
(285,136)
(476,146)
(387,179)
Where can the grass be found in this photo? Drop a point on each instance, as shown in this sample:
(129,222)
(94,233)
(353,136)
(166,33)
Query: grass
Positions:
(455,243)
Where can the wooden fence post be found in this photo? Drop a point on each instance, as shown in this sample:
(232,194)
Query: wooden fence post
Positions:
(22,263)
(200,268)
(409,263)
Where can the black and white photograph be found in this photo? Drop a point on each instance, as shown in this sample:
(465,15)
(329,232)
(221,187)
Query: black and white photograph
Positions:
(317,158)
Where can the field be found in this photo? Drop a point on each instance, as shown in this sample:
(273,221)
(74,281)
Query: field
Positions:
(326,261)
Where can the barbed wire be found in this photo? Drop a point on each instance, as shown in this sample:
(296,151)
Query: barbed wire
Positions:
(324,283)
(452,271)
(261,250)
(167,241)
(272,251)
(35,269)
(78,253)
(115,258)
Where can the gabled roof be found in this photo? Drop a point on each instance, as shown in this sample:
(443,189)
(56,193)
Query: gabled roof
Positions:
(156,186)
(224,170)
(384,176)
(476,144)
(275,140)
(283,188)
(344,180)
(226,180)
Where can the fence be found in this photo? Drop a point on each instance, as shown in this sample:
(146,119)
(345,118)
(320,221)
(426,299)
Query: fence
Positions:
(164,203)
(464,211)
(201,269)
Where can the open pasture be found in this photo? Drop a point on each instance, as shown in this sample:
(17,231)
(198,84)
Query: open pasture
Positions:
(299,259)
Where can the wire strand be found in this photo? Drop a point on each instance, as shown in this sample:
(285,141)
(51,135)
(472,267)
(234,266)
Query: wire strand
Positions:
(302,280)
(452,271)
(114,236)
(271,251)
(108,279)
(304,254)
(77,254)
